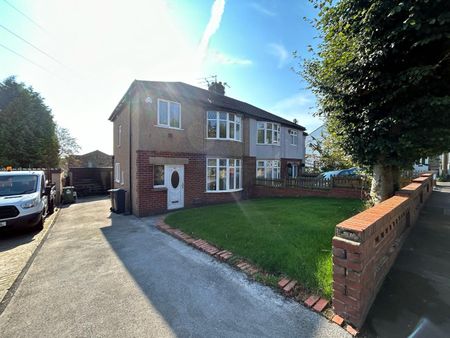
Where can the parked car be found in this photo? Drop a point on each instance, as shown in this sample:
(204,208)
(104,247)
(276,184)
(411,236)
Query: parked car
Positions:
(349,172)
(340,173)
(25,199)
(329,174)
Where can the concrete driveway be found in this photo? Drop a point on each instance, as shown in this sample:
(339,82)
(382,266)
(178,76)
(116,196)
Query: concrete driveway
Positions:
(102,275)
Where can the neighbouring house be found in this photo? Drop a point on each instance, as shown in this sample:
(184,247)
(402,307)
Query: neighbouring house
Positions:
(94,159)
(312,156)
(177,145)
(91,173)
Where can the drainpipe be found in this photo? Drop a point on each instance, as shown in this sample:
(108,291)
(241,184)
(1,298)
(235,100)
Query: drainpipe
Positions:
(130,192)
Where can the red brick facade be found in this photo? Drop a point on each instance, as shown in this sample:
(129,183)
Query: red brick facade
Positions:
(150,200)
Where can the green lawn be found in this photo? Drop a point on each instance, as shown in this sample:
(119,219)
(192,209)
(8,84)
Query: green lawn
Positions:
(289,236)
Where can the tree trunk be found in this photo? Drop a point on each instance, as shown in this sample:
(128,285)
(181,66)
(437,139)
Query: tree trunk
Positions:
(445,164)
(396,178)
(382,183)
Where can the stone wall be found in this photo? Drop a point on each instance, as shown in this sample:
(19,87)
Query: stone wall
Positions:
(366,245)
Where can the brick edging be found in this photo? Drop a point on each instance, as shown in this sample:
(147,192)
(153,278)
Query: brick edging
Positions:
(290,288)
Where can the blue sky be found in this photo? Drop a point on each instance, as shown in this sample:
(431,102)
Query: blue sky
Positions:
(96,48)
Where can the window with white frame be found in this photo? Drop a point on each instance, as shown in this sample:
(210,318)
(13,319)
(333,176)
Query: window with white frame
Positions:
(268,133)
(117,172)
(223,174)
(119,135)
(158,176)
(224,126)
(293,135)
(169,114)
(292,170)
(268,169)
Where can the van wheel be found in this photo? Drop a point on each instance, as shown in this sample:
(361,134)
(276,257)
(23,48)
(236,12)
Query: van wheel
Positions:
(51,208)
(40,224)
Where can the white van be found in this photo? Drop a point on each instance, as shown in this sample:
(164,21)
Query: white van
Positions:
(25,199)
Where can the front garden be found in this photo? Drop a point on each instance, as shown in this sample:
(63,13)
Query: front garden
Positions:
(283,236)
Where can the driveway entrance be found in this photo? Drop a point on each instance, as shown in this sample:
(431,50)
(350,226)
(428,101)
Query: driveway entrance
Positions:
(103,275)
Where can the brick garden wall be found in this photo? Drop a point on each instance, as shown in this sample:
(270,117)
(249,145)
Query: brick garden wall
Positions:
(366,245)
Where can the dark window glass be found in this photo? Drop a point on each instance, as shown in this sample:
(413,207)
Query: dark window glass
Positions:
(175,179)
(158,175)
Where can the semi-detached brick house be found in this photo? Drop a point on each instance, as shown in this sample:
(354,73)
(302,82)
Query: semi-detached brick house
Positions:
(176,145)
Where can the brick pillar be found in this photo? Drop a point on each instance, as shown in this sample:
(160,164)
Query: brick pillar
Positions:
(352,285)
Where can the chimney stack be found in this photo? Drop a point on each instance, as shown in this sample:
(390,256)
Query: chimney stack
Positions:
(217,87)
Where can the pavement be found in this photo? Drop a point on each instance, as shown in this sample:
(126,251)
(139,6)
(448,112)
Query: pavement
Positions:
(104,275)
(414,300)
(16,249)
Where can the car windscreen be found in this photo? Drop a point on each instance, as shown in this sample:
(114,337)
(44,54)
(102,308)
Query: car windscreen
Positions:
(11,185)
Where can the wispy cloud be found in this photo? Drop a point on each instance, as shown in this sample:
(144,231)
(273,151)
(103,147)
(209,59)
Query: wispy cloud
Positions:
(300,106)
(213,25)
(263,10)
(225,59)
(279,51)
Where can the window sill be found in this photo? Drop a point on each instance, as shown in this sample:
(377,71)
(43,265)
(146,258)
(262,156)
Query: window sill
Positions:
(268,144)
(159,188)
(222,139)
(223,191)
(167,127)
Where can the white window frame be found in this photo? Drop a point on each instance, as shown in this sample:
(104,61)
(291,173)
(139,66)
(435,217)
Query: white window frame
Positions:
(119,136)
(294,172)
(269,164)
(117,172)
(237,121)
(237,167)
(293,135)
(164,177)
(275,131)
(159,124)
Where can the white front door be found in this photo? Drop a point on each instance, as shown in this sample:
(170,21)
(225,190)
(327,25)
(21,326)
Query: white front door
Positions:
(174,176)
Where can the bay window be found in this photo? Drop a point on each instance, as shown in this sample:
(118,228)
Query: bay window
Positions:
(268,169)
(268,133)
(224,126)
(223,174)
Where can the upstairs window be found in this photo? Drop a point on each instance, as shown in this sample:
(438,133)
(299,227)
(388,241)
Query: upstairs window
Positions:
(268,169)
(119,136)
(293,135)
(224,126)
(268,133)
(169,114)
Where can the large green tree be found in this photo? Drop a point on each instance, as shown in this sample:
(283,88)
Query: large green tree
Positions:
(27,130)
(381,75)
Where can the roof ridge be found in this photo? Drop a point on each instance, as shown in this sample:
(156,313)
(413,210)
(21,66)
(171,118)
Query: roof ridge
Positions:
(285,121)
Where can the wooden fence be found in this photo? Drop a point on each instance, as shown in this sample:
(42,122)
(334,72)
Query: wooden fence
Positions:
(320,183)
